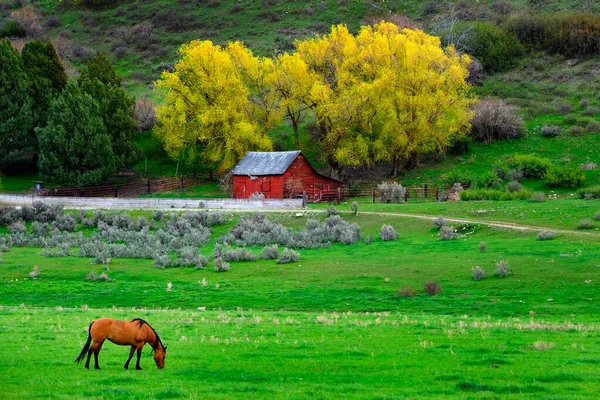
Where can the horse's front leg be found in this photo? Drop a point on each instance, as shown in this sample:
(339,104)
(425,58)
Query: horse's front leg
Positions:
(130,355)
(139,355)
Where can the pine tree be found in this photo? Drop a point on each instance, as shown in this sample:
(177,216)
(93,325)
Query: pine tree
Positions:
(75,149)
(15,104)
(101,67)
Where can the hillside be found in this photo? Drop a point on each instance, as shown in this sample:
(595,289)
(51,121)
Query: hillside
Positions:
(143,36)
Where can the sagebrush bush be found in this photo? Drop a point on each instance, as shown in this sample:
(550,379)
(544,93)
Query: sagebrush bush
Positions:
(550,131)
(354,207)
(592,127)
(432,288)
(368,239)
(448,233)
(270,252)
(514,186)
(502,269)
(331,210)
(576,130)
(92,276)
(496,120)
(482,246)
(546,235)
(407,291)
(597,216)
(288,256)
(566,177)
(161,261)
(439,222)
(66,223)
(221,265)
(538,197)
(387,232)
(391,192)
(585,224)
(477,273)
(589,193)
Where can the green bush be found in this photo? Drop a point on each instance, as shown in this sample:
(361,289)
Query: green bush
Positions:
(11,30)
(532,166)
(458,176)
(494,194)
(564,177)
(496,48)
(489,180)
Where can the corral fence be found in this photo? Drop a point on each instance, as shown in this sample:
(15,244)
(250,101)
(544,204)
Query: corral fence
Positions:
(132,189)
(370,193)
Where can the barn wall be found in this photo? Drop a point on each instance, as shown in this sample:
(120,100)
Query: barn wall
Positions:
(271,186)
(310,180)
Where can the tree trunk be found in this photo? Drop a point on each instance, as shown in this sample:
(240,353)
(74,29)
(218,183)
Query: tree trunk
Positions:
(296,136)
(412,162)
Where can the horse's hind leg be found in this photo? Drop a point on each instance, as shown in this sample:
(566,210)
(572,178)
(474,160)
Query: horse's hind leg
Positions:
(96,348)
(130,355)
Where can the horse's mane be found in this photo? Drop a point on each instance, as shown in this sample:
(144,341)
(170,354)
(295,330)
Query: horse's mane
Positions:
(142,322)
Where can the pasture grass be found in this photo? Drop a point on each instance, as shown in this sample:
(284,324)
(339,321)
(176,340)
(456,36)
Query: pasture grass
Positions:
(328,326)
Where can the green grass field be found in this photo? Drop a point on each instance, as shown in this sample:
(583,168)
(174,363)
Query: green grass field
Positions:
(328,326)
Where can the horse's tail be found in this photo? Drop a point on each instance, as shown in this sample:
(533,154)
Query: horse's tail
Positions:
(86,347)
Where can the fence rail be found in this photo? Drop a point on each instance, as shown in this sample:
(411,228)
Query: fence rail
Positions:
(131,189)
(370,193)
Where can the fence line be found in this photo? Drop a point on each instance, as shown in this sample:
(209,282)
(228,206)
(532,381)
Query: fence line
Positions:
(131,189)
(370,193)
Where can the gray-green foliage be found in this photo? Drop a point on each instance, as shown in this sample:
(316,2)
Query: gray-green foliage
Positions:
(75,149)
(387,232)
(502,269)
(270,252)
(477,273)
(546,235)
(288,256)
(448,233)
(221,265)
(391,192)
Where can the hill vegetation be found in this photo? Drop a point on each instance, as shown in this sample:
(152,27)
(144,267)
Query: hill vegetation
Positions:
(530,55)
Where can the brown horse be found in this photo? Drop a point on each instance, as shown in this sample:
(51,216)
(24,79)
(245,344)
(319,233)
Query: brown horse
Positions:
(135,333)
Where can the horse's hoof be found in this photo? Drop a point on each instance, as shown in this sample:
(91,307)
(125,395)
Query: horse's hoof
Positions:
(139,369)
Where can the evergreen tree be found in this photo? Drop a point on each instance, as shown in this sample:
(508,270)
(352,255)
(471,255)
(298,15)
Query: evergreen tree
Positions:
(47,79)
(116,110)
(15,104)
(101,67)
(75,149)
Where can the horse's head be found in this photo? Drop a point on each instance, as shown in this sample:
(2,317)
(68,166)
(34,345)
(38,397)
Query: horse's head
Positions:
(159,356)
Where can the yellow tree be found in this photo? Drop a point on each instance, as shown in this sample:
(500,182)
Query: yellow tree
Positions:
(207,113)
(425,104)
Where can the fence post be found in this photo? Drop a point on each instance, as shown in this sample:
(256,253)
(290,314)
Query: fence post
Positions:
(437,194)
(116,190)
(425,190)
(149,190)
(181,181)
(372,195)
(339,195)
(304,199)
(406,196)
(210,177)
(194,171)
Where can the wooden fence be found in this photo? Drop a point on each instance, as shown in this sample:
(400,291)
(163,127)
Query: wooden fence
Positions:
(370,193)
(132,189)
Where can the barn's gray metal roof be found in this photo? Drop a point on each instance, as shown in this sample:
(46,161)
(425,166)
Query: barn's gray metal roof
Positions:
(257,163)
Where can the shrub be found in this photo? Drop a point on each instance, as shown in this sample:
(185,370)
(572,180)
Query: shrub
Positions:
(497,49)
(158,215)
(532,166)
(538,197)
(564,177)
(17,227)
(585,224)
(458,176)
(288,256)
(292,187)
(573,35)
(515,175)
(368,239)
(144,115)
(489,180)
(12,30)
(576,130)
(432,288)
(387,232)
(502,269)
(270,252)
(431,7)
(257,196)
(439,222)
(1,259)
(448,233)
(550,131)
(546,235)
(239,254)
(592,127)
(407,291)
(92,276)
(477,273)
(221,265)
(53,21)
(354,207)
(564,108)
(496,120)
(66,223)
(482,246)
(591,192)
(590,111)
(27,18)
(597,216)
(161,261)
(391,192)
(331,210)
(514,186)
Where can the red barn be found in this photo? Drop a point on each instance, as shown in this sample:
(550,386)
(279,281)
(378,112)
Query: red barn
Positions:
(281,174)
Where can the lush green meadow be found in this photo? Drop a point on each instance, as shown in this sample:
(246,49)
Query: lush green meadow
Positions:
(328,326)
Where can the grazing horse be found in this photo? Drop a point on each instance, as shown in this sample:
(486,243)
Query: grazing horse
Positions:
(135,333)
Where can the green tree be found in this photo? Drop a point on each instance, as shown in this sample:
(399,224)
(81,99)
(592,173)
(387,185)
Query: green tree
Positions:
(47,79)
(75,149)
(101,67)
(116,110)
(15,105)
